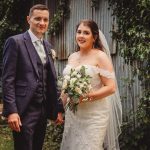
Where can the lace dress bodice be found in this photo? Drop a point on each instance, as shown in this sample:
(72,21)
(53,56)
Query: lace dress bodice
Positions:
(86,129)
(94,72)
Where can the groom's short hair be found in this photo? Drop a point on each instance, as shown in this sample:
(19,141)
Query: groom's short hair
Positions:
(38,7)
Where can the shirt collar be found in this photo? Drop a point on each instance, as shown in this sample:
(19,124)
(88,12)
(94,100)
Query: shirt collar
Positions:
(33,37)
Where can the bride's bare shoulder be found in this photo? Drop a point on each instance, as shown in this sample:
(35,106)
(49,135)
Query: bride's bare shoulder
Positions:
(72,56)
(101,56)
(103,60)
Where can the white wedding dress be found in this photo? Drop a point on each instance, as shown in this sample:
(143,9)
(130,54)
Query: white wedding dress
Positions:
(86,129)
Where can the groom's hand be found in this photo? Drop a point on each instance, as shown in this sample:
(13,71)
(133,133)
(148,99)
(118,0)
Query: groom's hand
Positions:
(14,122)
(59,119)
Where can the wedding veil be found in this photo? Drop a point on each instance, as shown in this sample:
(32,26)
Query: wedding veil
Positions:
(114,125)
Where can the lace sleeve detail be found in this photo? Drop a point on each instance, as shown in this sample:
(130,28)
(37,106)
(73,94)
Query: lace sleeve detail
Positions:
(106,73)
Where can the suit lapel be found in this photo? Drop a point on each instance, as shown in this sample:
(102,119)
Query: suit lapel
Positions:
(30,49)
(48,53)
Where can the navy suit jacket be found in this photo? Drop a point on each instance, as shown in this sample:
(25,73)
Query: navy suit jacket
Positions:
(20,76)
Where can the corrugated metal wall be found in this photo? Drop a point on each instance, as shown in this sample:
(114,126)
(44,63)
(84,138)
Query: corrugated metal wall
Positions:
(64,44)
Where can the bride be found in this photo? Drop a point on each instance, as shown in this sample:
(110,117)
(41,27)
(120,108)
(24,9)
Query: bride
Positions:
(96,124)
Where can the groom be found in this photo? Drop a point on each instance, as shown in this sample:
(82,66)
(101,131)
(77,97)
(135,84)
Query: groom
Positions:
(29,82)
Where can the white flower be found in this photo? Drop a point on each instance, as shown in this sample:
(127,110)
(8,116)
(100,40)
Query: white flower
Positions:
(85,83)
(78,90)
(72,81)
(67,77)
(74,73)
(81,85)
(78,75)
(53,53)
(65,83)
(59,83)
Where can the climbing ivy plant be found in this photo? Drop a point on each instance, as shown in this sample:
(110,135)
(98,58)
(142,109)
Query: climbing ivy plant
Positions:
(94,3)
(5,23)
(133,37)
(62,11)
(12,18)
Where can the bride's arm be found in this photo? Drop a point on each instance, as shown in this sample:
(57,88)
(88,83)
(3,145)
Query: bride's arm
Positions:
(106,90)
(106,77)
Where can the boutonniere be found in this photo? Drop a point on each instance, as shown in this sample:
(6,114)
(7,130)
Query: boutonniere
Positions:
(52,53)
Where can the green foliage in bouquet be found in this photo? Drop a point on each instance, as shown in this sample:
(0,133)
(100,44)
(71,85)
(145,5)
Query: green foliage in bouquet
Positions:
(75,85)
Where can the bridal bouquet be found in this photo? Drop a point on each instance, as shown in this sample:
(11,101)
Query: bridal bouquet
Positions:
(76,85)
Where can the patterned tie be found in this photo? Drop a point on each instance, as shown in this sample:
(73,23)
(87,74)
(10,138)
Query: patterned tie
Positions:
(40,50)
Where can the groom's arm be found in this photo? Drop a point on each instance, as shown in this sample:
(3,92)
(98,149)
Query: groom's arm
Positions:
(10,111)
(8,76)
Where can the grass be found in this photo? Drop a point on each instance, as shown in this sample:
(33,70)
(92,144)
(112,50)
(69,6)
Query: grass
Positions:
(52,138)
(6,142)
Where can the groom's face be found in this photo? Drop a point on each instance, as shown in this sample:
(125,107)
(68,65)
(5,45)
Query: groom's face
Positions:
(38,22)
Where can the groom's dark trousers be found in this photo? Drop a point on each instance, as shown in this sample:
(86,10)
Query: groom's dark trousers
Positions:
(29,89)
(32,132)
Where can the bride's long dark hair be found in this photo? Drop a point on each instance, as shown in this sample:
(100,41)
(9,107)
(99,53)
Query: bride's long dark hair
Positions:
(95,32)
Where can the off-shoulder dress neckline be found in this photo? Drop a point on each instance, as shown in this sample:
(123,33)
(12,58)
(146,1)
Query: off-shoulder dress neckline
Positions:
(78,66)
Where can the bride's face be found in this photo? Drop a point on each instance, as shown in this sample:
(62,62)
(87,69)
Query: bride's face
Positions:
(84,37)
